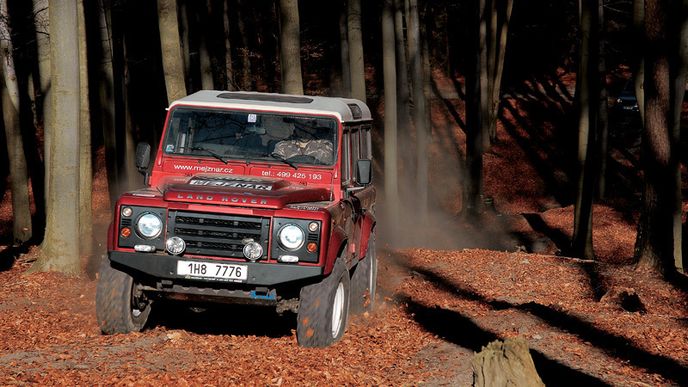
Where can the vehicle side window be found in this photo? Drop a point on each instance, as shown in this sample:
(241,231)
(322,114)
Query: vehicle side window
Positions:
(366,144)
(346,158)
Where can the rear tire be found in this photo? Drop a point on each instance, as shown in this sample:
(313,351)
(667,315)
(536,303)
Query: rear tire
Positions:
(120,306)
(324,309)
(364,281)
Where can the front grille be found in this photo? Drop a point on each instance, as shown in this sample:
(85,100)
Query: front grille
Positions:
(216,234)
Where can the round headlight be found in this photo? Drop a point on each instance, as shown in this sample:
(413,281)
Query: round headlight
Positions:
(291,237)
(149,226)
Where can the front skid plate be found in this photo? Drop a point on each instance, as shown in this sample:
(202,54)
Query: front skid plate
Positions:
(260,274)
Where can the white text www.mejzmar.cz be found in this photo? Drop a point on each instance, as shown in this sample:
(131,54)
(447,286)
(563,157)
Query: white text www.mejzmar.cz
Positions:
(202,168)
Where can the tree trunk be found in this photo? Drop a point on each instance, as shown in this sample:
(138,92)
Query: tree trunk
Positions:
(484,78)
(106,96)
(204,53)
(496,75)
(85,169)
(43,115)
(344,51)
(390,84)
(404,133)
(602,106)
(639,36)
(419,113)
(290,47)
(587,78)
(655,240)
(229,68)
(246,83)
(677,93)
(505,363)
(356,65)
(173,65)
(19,174)
(474,133)
(60,248)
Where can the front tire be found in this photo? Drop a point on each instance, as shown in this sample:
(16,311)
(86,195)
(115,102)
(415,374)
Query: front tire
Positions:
(324,309)
(364,280)
(120,306)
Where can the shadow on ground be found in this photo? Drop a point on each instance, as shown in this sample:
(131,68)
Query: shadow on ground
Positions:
(462,331)
(224,319)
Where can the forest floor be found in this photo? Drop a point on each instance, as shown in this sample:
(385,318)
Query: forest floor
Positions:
(506,274)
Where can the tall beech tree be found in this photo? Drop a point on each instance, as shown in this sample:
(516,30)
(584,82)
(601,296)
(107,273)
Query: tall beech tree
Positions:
(419,110)
(290,47)
(656,241)
(586,84)
(19,175)
(172,59)
(678,90)
(390,85)
(85,168)
(60,248)
(356,65)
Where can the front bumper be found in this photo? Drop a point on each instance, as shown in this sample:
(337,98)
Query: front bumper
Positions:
(259,274)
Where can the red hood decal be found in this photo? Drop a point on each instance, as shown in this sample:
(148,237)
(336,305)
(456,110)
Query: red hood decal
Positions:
(242,191)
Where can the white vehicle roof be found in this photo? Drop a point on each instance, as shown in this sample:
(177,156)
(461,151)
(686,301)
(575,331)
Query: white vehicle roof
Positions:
(346,109)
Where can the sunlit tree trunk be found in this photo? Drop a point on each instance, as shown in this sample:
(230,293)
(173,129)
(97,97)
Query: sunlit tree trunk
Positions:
(357,67)
(60,248)
(655,240)
(500,34)
(19,175)
(173,65)
(419,112)
(586,79)
(290,47)
(85,169)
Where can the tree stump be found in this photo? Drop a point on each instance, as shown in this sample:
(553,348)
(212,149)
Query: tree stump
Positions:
(505,363)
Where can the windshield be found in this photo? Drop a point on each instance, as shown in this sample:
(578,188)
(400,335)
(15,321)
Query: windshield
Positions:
(231,135)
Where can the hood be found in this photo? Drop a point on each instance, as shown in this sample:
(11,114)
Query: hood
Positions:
(243,191)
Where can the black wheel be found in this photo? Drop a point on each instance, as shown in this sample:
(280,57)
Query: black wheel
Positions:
(364,281)
(120,306)
(324,309)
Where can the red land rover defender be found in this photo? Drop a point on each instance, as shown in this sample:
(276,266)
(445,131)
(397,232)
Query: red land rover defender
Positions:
(252,198)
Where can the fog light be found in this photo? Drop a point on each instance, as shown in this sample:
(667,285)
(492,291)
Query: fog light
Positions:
(253,251)
(125,232)
(175,245)
(288,258)
(144,248)
(127,211)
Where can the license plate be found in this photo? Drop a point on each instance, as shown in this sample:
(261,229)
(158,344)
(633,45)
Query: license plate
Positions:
(218,271)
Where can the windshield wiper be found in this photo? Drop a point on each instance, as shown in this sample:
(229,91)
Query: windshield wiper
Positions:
(208,151)
(283,159)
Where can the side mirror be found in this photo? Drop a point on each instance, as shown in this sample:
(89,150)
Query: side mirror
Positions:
(143,153)
(364,171)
